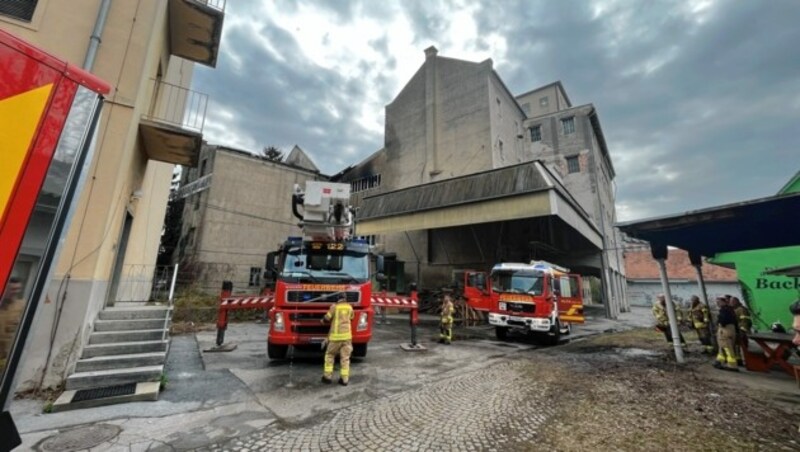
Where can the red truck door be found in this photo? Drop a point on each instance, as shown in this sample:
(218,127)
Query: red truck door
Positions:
(570,301)
(476,291)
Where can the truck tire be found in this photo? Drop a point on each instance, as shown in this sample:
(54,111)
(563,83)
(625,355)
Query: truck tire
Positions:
(554,336)
(501,332)
(275,351)
(359,350)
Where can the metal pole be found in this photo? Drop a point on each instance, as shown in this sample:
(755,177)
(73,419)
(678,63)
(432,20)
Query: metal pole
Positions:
(702,284)
(673,322)
(94,40)
(172,285)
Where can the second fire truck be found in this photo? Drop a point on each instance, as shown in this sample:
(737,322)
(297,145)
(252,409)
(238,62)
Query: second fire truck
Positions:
(537,298)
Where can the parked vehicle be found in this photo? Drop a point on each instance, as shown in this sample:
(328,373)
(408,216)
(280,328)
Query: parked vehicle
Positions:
(538,298)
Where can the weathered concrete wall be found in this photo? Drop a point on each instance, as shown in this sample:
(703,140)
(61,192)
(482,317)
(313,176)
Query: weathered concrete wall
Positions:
(641,293)
(243,215)
(506,119)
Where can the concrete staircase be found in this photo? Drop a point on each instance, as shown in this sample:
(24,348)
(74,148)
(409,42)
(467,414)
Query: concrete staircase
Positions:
(128,346)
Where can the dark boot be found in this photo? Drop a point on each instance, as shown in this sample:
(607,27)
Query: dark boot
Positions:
(342,382)
(326,380)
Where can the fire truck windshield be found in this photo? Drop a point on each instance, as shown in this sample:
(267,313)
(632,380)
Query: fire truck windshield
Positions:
(518,281)
(328,266)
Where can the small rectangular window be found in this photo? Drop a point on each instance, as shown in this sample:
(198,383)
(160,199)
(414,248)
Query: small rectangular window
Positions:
(568,125)
(573,165)
(203,167)
(18,9)
(255,276)
(536,133)
(543,102)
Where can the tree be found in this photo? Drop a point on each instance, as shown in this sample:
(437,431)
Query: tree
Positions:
(272,153)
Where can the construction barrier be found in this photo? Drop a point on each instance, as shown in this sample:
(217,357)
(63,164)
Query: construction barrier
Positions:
(227,303)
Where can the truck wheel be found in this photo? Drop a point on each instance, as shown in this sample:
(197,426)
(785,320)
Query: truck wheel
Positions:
(275,351)
(501,332)
(359,350)
(555,333)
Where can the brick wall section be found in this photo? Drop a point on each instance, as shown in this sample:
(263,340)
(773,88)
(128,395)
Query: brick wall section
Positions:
(641,265)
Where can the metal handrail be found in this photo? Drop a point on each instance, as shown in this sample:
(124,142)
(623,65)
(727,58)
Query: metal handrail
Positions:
(178,105)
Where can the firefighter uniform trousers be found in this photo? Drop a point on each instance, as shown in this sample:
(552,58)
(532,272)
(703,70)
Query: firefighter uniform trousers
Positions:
(726,339)
(344,349)
(744,323)
(340,340)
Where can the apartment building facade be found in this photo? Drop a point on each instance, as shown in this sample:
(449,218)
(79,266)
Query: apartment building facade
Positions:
(151,121)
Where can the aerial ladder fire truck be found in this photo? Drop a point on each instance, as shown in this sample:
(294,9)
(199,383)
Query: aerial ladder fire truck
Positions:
(314,271)
(538,298)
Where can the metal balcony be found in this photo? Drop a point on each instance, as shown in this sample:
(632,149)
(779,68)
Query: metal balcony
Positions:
(172,128)
(195,29)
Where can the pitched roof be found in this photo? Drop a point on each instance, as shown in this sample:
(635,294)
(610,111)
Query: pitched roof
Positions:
(640,265)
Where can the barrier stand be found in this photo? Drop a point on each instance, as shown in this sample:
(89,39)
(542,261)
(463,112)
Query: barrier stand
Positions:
(411,304)
(227,302)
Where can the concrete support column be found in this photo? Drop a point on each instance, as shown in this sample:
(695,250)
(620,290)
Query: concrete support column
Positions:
(660,255)
(697,263)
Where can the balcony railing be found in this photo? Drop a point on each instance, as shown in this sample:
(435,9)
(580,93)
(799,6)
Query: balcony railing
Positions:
(219,5)
(178,106)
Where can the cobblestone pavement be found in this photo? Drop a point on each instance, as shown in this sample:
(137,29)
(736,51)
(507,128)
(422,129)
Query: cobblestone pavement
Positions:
(498,408)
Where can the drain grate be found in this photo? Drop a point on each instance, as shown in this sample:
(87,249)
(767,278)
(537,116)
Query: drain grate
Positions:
(101,393)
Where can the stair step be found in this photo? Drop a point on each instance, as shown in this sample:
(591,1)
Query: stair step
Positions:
(121,361)
(112,377)
(129,324)
(144,392)
(124,348)
(146,312)
(105,337)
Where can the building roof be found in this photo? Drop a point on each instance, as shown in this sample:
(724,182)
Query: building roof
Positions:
(557,84)
(640,265)
(756,224)
(298,157)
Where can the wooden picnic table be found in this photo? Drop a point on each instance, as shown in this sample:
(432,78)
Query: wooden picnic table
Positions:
(777,348)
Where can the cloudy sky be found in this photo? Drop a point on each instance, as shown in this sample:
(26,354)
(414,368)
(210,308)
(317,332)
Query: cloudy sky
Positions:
(697,99)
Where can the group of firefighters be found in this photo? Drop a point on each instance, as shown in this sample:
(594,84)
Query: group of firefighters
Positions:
(340,337)
(733,326)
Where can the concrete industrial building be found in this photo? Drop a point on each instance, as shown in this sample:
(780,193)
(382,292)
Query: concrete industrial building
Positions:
(438,195)
(238,207)
(150,122)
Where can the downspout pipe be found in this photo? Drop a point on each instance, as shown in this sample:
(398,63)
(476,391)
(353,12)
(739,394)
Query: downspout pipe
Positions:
(94,40)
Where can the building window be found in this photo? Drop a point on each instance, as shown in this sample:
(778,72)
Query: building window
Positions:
(573,165)
(543,102)
(203,167)
(526,107)
(18,9)
(536,133)
(568,125)
(255,276)
(365,183)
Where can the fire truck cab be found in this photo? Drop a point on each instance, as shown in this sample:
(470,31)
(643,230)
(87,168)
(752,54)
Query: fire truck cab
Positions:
(314,271)
(538,298)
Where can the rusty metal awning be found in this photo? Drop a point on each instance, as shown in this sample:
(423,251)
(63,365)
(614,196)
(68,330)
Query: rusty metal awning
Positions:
(516,192)
(756,224)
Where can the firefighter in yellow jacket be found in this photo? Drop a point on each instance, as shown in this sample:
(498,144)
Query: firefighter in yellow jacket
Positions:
(700,319)
(662,319)
(446,322)
(744,324)
(339,342)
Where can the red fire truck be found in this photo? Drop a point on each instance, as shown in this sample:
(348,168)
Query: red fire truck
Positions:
(48,113)
(314,271)
(538,298)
